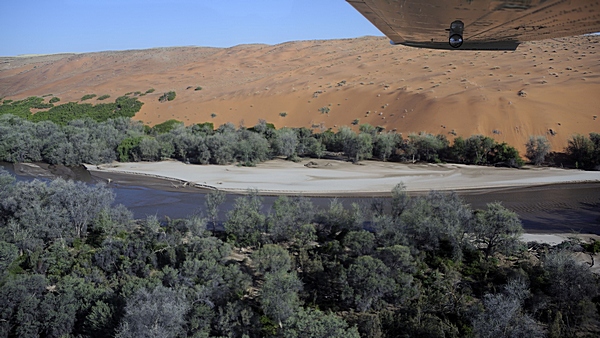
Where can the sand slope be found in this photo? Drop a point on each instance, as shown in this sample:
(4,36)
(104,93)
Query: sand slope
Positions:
(544,87)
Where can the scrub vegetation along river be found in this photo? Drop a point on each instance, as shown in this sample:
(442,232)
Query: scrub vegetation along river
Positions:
(73,263)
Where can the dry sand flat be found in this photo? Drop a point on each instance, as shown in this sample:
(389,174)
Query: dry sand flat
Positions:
(542,88)
(334,178)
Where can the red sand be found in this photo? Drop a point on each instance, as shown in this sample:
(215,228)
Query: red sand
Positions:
(402,88)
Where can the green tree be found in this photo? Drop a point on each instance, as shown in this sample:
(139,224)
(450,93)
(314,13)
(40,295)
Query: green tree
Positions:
(360,242)
(310,323)
(288,218)
(584,151)
(369,283)
(245,222)
(159,312)
(128,149)
(424,147)
(212,202)
(477,149)
(272,258)
(503,315)
(572,287)
(8,253)
(279,296)
(286,142)
(384,145)
(537,148)
(503,153)
(497,229)
(149,149)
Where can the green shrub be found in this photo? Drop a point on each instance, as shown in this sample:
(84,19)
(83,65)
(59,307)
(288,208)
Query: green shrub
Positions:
(283,114)
(169,96)
(128,147)
(54,100)
(122,107)
(213,115)
(88,96)
(23,107)
(593,247)
(206,126)
(150,91)
(198,88)
(103,97)
(166,126)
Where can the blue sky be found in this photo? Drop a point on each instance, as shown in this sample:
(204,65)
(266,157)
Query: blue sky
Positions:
(55,26)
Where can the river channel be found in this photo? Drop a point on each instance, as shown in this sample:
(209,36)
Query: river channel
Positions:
(556,208)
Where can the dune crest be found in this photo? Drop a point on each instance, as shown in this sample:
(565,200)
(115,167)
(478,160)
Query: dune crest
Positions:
(549,87)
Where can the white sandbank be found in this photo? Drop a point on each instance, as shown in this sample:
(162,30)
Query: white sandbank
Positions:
(330,177)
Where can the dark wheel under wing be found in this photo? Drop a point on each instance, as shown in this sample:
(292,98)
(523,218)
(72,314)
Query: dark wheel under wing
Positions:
(488,24)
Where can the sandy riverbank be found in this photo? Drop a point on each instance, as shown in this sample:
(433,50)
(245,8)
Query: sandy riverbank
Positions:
(335,178)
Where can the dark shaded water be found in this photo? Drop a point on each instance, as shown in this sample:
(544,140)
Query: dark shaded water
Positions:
(550,208)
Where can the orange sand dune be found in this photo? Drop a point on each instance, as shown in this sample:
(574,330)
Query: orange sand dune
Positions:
(542,88)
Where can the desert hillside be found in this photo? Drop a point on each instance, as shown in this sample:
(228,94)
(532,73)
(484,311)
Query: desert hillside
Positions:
(548,88)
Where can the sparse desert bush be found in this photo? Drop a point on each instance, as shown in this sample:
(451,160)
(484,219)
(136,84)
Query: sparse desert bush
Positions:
(283,114)
(150,91)
(198,88)
(88,96)
(169,96)
(213,115)
(324,110)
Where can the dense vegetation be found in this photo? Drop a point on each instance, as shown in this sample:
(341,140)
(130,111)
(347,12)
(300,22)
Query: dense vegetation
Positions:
(123,106)
(98,139)
(123,139)
(74,133)
(73,264)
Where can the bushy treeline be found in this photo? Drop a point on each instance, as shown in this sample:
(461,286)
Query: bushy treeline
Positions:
(79,141)
(71,264)
(102,139)
(122,139)
(124,106)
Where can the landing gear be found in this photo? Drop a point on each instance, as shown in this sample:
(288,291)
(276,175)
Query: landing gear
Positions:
(456,34)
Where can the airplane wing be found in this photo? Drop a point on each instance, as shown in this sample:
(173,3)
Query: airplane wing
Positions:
(479,24)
